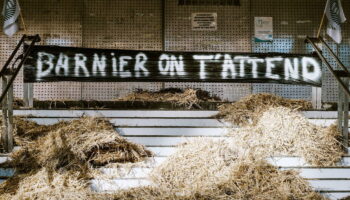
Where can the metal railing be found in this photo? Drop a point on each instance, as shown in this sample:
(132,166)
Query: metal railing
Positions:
(342,77)
(8,76)
(5,70)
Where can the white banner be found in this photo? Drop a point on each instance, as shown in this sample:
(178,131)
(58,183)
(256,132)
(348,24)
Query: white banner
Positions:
(335,14)
(11,11)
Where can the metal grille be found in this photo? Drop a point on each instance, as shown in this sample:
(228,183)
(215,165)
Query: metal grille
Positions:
(57,24)
(137,24)
(292,21)
(329,84)
(232,35)
(122,24)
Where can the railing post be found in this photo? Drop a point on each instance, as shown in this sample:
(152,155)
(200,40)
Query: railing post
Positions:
(10,117)
(340,108)
(346,117)
(7,116)
(343,113)
(4,116)
(316,97)
(28,95)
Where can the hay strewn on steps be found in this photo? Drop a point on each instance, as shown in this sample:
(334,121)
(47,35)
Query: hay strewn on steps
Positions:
(26,131)
(87,139)
(247,110)
(283,131)
(201,169)
(235,167)
(215,169)
(64,157)
(188,97)
(196,166)
(45,185)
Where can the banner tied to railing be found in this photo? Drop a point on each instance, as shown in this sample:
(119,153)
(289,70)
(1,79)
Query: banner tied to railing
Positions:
(53,63)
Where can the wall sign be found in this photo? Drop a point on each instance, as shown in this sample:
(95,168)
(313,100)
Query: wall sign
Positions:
(204,21)
(263,29)
(53,63)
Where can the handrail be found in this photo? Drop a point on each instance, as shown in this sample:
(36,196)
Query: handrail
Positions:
(334,56)
(319,53)
(12,55)
(34,39)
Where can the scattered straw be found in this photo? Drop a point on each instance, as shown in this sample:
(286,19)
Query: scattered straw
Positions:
(64,157)
(214,169)
(56,186)
(87,139)
(248,110)
(282,131)
(188,97)
(58,163)
(196,166)
(26,130)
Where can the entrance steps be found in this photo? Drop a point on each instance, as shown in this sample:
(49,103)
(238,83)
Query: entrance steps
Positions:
(161,130)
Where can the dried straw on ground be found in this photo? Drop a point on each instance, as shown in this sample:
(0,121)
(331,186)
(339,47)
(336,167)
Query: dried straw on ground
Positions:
(188,97)
(74,147)
(87,139)
(196,166)
(214,169)
(283,131)
(26,131)
(53,185)
(249,109)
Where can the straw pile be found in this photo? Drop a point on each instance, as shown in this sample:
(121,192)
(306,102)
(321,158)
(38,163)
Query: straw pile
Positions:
(197,159)
(188,97)
(214,169)
(283,131)
(26,131)
(87,139)
(60,162)
(249,109)
(52,185)
(235,167)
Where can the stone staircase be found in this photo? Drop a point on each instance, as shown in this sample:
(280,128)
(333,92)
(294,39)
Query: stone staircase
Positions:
(162,130)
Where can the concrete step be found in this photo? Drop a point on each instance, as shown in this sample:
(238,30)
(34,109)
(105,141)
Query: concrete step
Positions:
(166,131)
(117,113)
(127,118)
(279,161)
(164,122)
(308,173)
(148,113)
(165,151)
(100,185)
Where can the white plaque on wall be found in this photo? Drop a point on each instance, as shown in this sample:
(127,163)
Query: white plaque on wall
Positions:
(263,29)
(204,21)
